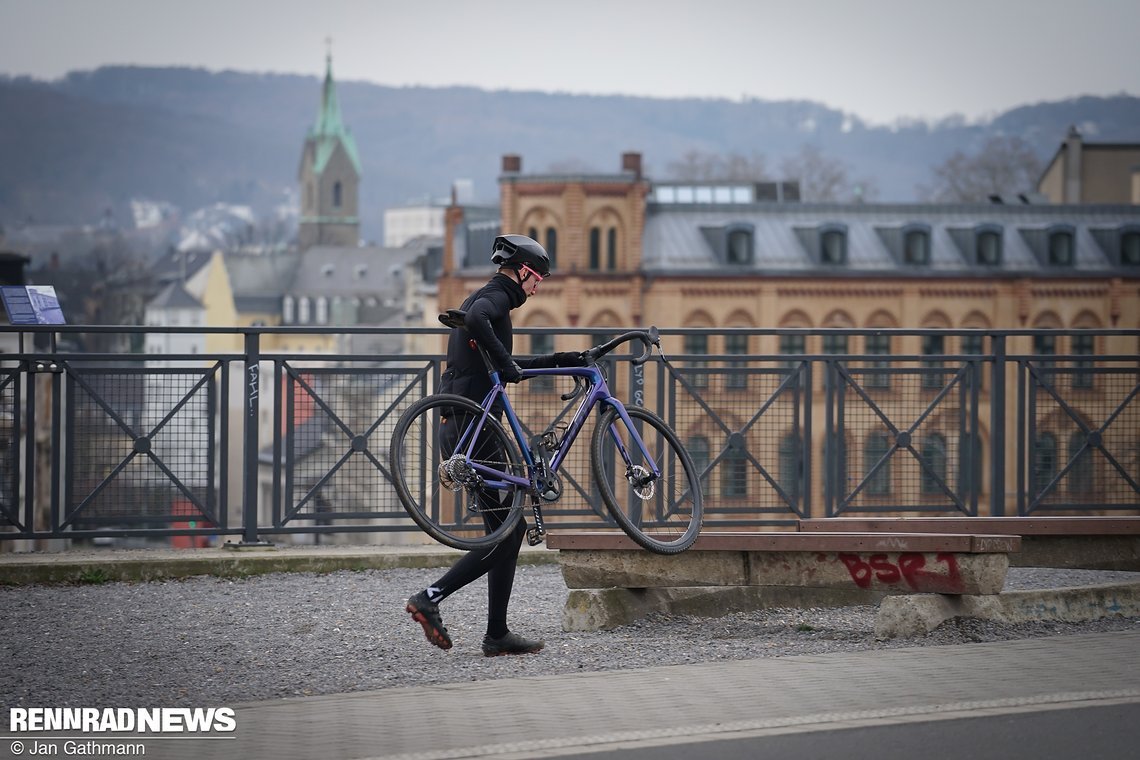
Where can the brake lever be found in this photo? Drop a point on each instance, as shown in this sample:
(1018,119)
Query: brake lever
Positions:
(571,395)
(647,342)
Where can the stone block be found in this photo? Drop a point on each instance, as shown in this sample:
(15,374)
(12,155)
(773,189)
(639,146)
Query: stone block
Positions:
(885,572)
(916,615)
(642,569)
(599,609)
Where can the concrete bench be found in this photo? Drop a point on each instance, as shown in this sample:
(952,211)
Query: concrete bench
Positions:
(613,581)
(1088,542)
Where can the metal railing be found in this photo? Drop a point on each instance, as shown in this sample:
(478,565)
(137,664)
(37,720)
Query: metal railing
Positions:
(255,439)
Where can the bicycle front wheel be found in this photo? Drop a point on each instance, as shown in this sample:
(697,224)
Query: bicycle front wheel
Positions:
(662,514)
(447,497)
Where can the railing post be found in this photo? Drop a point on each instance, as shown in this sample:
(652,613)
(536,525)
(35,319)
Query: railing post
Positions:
(250,442)
(997,428)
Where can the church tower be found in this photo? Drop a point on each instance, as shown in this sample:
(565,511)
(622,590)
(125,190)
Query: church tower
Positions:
(330,177)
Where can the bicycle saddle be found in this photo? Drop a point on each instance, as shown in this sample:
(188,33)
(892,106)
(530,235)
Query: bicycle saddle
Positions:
(453,318)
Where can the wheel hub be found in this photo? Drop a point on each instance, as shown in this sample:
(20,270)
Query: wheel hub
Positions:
(643,482)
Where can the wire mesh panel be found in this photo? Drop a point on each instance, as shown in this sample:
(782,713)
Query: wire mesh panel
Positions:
(1081,446)
(743,425)
(335,428)
(10,447)
(141,446)
(905,439)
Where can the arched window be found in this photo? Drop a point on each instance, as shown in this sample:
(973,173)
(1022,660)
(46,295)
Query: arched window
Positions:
(699,452)
(288,310)
(697,344)
(337,193)
(541,345)
(1044,461)
(1080,474)
(876,446)
(734,474)
(595,249)
(552,245)
(934,464)
(322,310)
(735,343)
(791,467)
(933,345)
(303,314)
(611,249)
(1083,345)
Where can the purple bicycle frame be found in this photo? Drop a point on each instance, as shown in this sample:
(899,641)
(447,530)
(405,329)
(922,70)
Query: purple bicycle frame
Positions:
(598,392)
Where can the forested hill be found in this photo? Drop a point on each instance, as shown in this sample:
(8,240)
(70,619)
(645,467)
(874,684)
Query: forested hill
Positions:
(74,147)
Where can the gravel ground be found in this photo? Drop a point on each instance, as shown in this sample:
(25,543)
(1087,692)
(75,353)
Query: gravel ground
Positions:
(208,640)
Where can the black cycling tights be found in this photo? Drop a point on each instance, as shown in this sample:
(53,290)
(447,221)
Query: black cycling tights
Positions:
(497,562)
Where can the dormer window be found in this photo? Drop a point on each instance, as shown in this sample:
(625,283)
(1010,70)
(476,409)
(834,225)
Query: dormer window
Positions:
(733,244)
(1130,247)
(338,193)
(916,245)
(987,245)
(833,244)
(1060,252)
(738,248)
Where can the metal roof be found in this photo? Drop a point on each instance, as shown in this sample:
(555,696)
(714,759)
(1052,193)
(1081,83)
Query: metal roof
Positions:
(786,235)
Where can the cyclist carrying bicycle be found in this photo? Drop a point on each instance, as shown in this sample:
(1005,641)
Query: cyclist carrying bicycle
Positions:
(523,264)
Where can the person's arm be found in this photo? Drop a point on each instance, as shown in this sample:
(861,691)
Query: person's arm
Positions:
(479,320)
(560,359)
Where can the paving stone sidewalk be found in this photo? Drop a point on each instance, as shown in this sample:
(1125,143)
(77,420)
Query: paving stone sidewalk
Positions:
(551,715)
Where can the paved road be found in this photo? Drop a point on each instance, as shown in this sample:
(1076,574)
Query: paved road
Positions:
(923,694)
(1111,731)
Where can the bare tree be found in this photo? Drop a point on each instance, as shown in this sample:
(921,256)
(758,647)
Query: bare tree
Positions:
(826,180)
(1004,165)
(698,166)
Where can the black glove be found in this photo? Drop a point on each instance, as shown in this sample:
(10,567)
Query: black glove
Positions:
(569,359)
(511,373)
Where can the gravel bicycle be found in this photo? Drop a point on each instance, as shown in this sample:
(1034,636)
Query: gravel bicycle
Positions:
(466,480)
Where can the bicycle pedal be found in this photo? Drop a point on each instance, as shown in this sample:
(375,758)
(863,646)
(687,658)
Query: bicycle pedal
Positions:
(534,536)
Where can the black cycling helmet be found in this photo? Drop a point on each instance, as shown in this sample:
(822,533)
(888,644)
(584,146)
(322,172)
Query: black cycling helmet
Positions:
(516,250)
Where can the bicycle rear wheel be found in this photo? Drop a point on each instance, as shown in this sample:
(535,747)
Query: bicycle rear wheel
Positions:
(443,493)
(662,514)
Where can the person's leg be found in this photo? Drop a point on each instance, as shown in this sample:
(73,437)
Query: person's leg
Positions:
(473,565)
(500,581)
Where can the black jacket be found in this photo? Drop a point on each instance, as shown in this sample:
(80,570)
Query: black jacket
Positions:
(489,323)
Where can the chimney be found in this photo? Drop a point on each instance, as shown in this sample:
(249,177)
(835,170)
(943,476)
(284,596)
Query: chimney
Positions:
(631,163)
(1072,190)
(512,164)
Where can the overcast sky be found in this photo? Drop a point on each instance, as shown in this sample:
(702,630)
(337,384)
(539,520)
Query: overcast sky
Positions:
(878,59)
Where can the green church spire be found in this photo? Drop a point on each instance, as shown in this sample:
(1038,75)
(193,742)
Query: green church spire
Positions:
(329,128)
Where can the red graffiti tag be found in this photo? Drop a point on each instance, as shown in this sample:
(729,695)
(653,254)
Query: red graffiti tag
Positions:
(909,567)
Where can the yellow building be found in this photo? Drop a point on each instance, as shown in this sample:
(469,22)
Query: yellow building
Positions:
(629,252)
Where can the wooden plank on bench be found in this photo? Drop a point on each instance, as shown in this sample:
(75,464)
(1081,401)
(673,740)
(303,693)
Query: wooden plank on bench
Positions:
(801,542)
(1091,525)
